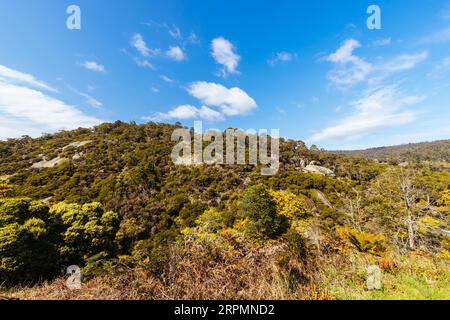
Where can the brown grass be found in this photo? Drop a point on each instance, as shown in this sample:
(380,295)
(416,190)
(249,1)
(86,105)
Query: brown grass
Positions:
(195,272)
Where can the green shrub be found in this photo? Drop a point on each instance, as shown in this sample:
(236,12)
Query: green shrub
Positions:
(259,206)
(86,230)
(28,252)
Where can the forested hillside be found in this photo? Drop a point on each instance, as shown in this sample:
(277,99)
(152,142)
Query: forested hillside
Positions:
(437,151)
(111,201)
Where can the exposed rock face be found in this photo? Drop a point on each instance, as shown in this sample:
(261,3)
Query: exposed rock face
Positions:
(319,170)
(48,164)
(58,160)
(78,144)
(77,156)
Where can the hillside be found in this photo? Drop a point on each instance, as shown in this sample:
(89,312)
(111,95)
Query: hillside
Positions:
(437,151)
(111,201)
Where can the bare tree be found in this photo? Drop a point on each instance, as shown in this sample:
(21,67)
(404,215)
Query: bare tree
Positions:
(409,193)
(354,209)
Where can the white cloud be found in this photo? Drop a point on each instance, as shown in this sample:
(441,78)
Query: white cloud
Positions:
(223,52)
(28,111)
(209,114)
(137,42)
(232,102)
(166,78)
(91,101)
(351,69)
(176,53)
(186,112)
(281,57)
(378,109)
(94,66)
(382,42)
(144,63)
(344,53)
(403,62)
(14,76)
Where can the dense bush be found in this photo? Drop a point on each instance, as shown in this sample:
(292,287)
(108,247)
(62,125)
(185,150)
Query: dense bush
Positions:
(36,242)
(86,230)
(259,206)
(28,250)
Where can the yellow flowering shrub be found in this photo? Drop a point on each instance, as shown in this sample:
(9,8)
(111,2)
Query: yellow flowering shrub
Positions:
(445,198)
(289,205)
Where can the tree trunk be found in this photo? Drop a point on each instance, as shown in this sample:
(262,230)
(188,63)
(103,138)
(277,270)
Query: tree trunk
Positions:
(410,224)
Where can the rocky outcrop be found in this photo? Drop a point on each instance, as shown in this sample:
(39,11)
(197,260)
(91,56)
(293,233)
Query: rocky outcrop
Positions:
(48,164)
(319,170)
(77,144)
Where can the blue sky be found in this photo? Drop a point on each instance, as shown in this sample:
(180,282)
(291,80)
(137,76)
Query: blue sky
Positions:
(311,69)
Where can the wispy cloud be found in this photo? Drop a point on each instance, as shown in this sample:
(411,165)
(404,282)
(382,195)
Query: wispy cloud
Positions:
(175,32)
(166,78)
(193,38)
(223,51)
(280,57)
(89,99)
(402,62)
(13,76)
(376,110)
(137,42)
(144,63)
(26,110)
(94,103)
(351,69)
(382,42)
(94,66)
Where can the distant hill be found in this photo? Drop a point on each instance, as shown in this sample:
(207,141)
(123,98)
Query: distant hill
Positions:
(413,152)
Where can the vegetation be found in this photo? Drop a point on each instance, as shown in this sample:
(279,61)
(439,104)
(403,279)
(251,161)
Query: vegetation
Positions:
(142,228)
(437,151)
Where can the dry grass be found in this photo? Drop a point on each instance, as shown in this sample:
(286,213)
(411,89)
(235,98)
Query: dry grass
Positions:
(195,272)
